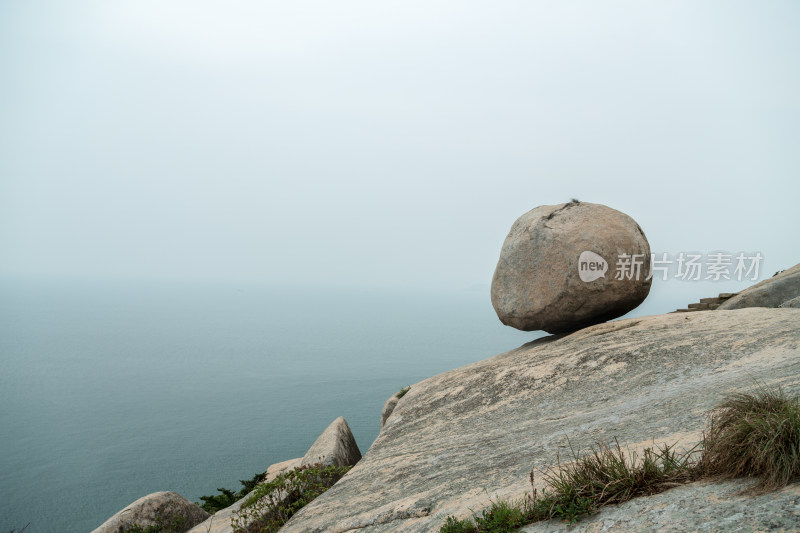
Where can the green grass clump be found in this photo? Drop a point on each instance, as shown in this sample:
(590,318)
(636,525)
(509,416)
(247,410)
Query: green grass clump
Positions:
(608,475)
(275,502)
(502,517)
(402,392)
(750,435)
(755,435)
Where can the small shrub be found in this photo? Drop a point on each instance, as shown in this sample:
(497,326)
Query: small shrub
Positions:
(755,435)
(226,497)
(276,501)
(402,392)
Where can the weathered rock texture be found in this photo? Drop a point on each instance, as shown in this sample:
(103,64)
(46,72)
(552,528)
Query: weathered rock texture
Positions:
(702,507)
(335,446)
(794,303)
(460,437)
(159,508)
(771,292)
(388,408)
(537,285)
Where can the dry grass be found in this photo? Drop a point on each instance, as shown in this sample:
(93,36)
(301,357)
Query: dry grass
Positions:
(608,475)
(755,435)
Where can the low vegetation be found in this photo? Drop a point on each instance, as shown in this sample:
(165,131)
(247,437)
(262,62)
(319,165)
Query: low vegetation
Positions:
(226,497)
(750,435)
(402,392)
(608,475)
(755,436)
(275,502)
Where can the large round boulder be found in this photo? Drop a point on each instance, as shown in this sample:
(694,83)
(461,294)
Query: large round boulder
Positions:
(564,267)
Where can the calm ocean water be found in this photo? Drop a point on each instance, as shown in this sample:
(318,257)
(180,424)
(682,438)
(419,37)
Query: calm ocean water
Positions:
(111,392)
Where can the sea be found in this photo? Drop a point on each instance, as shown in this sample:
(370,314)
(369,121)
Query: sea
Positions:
(110,391)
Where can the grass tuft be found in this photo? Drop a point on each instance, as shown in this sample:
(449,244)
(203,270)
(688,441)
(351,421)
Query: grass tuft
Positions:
(755,435)
(608,475)
(402,392)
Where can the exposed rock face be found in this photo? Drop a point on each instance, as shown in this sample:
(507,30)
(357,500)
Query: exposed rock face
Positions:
(159,508)
(336,446)
(772,292)
(388,407)
(481,428)
(794,302)
(690,507)
(558,265)
(280,468)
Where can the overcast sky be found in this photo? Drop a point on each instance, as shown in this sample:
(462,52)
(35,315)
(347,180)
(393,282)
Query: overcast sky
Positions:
(386,143)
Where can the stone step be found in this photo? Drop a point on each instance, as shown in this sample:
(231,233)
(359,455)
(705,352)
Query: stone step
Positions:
(685,310)
(713,306)
(698,306)
(726,295)
(710,300)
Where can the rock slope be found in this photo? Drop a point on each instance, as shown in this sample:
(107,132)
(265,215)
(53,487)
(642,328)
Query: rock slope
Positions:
(700,507)
(771,292)
(469,434)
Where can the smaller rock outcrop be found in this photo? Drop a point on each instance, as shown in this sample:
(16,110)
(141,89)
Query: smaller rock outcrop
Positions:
(772,292)
(388,408)
(280,468)
(335,446)
(565,267)
(165,509)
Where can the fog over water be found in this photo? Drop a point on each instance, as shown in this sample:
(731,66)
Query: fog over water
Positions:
(388,143)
